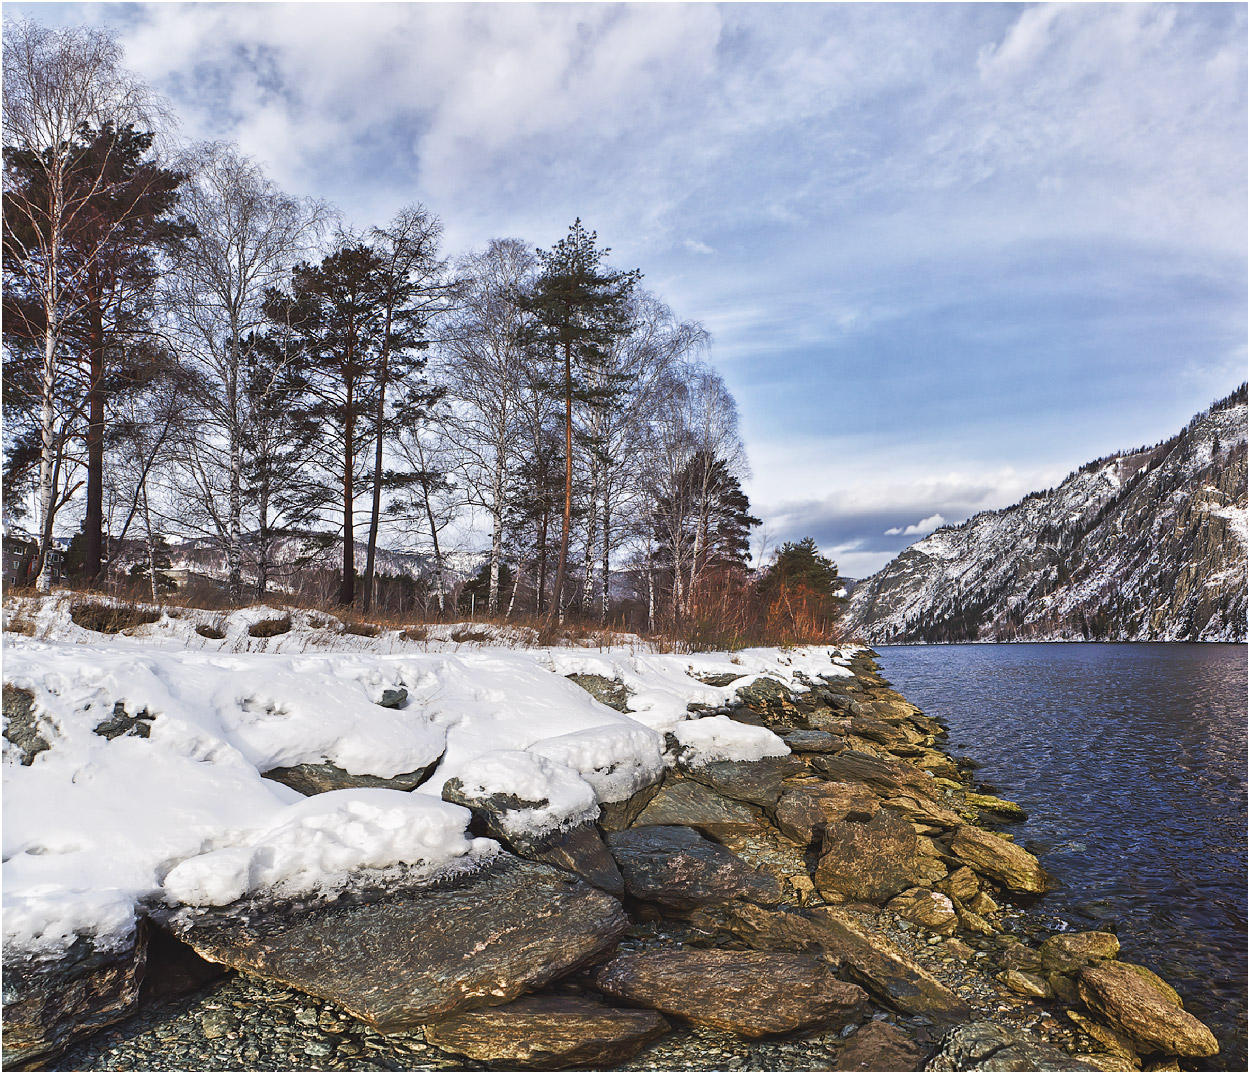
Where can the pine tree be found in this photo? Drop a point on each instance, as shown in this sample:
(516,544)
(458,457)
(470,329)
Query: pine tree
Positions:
(579,307)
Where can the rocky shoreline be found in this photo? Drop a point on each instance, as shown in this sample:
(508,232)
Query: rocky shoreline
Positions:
(852,906)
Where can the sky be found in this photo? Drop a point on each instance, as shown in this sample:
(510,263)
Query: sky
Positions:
(946,253)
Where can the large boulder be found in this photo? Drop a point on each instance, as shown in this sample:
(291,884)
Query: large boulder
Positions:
(986,1046)
(871,860)
(758,782)
(693,805)
(404,954)
(548,1033)
(751,993)
(1067,952)
(999,859)
(310,779)
(879,1046)
(805,810)
(677,868)
(50,1004)
(1145,1009)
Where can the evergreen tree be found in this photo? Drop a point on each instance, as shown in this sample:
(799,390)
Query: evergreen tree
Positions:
(579,308)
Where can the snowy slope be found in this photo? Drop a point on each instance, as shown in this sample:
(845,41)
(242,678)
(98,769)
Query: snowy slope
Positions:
(96,827)
(1146,545)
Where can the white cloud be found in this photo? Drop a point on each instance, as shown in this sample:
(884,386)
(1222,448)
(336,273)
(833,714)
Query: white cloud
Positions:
(925,525)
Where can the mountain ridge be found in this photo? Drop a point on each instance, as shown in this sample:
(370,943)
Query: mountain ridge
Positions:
(1141,545)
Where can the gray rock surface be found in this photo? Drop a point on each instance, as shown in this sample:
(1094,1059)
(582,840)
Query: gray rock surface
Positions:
(402,955)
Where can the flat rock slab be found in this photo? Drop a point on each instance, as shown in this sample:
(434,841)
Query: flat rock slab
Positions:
(401,956)
(882,967)
(999,859)
(676,867)
(548,1033)
(751,993)
(879,1046)
(1145,1009)
(757,782)
(868,860)
(813,741)
(51,1004)
(985,1046)
(1067,952)
(691,804)
(887,778)
(581,850)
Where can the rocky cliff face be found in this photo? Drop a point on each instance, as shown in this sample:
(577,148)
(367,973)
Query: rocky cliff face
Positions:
(1148,545)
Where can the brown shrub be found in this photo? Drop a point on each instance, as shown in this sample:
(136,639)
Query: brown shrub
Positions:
(270,628)
(207,630)
(363,630)
(111,618)
(415,633)
(470,635)
(20,626)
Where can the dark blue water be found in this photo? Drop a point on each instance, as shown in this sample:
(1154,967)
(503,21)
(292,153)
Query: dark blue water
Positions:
(1131,763)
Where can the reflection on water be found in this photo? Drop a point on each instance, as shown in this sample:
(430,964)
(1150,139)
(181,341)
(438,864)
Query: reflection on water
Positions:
(1131,763)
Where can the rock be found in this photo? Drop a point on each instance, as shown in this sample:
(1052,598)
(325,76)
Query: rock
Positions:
(1067,952)
(961,884)
(768,697)
(548,1033)
(870,860)
(404,954)
(617,816)
(313,779)
(22,725)
(581,850)
(1115,1043)
(610,692)
(881,966)
(121,723)
(887,778)
(757,782)
(693,805)
(677,868)
(716,678)
(812,741)
(751,993)
(804,810)
(879,1046)
(990,855)
(985,1046)
(394,697)
(929,909)
(1024,983)
(990,804)
(50,1004)
(1134,1001)
(1064,987)
(921,810)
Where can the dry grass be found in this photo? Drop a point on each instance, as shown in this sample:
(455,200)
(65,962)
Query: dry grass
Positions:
(270,628)
(20,626)
(208,630)
(362,630)
(111,618)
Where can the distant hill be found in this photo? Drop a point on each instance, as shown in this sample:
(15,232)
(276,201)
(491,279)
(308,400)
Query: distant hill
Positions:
(1146,545)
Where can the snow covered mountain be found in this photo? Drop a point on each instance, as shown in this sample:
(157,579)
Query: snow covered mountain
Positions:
(1147,545)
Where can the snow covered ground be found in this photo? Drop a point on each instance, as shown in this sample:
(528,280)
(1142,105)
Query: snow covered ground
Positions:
(96,827)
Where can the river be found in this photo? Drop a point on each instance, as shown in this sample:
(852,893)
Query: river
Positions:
(1131,762)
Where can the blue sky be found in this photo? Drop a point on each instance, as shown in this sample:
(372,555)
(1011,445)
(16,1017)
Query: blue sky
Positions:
(947,253)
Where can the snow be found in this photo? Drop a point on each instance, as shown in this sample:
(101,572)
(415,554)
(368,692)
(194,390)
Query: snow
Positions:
(718,738)
(95,830)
